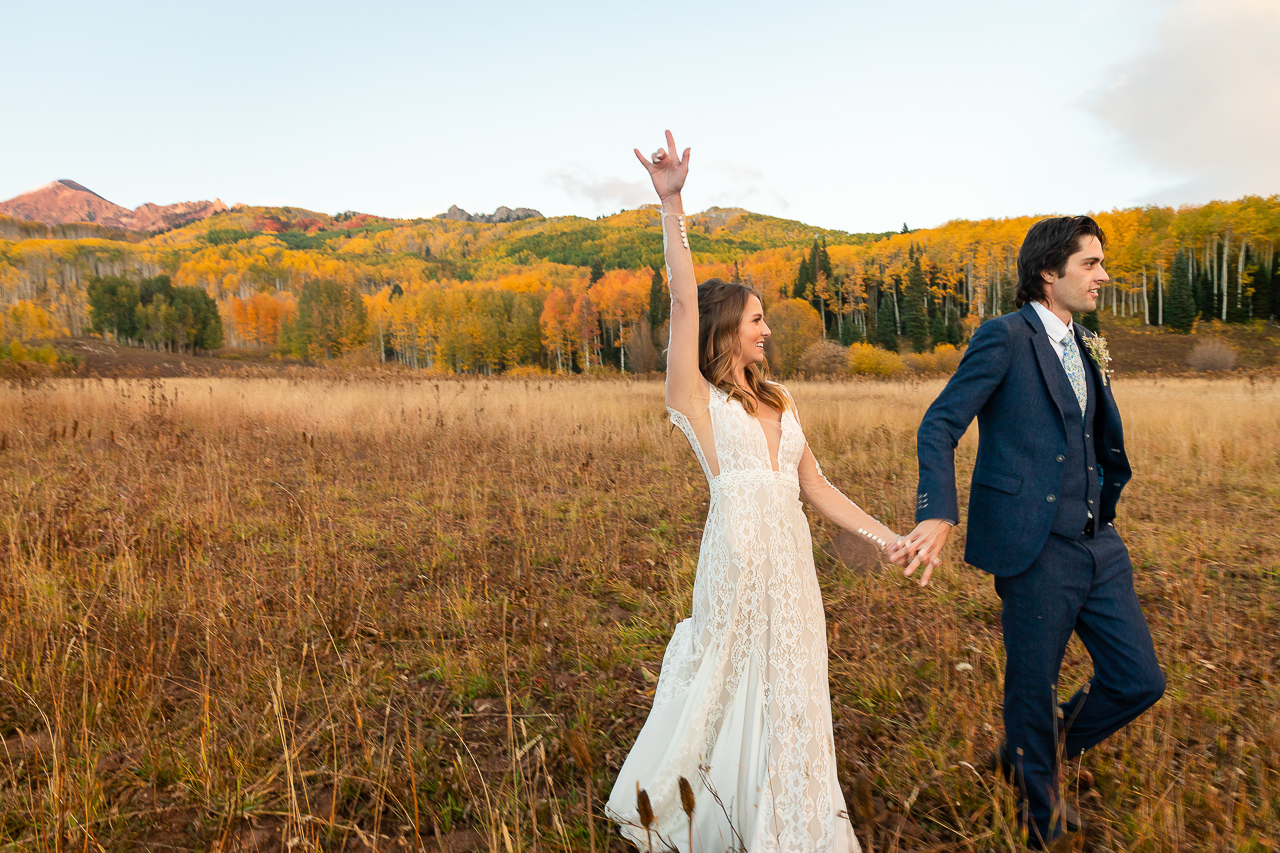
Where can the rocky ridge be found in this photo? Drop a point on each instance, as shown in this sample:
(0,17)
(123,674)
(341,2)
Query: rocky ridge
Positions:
(502,214)
(65,201)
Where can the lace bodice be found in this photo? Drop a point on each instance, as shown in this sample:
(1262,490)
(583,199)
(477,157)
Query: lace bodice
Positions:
(738,441)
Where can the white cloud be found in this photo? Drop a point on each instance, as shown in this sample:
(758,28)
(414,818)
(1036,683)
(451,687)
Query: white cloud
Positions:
(738,185)
(1202,105)
(605,194)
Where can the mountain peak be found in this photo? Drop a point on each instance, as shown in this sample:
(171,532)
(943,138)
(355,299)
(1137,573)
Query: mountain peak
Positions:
(72,185)
(63,201)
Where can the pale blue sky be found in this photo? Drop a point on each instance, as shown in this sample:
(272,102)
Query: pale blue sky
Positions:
(848,115)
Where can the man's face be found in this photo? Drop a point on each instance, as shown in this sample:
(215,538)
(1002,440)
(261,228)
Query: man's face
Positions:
(1076,290)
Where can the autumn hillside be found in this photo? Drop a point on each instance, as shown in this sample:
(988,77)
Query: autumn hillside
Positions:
(577,294)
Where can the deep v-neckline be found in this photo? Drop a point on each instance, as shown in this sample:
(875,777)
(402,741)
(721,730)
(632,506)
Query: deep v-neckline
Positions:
(773,457)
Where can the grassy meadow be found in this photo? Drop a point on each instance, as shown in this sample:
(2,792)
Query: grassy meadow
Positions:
(357,612)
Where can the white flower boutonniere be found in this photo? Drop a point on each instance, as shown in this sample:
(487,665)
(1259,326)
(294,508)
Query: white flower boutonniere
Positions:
(1097,347)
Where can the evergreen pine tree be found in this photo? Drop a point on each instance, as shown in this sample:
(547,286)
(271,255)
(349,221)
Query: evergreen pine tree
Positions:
(1090,321)
(915,314)
(597,270)
(806,276)
(1275,286)
(938,329)
(886,323)
(1237,296)
(1202,291)
(1263,284)
(1180,306)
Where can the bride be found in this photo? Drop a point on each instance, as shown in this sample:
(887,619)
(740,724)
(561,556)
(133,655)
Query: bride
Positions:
(742,710)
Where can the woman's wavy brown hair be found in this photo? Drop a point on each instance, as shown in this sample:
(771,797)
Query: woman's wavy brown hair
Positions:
(721,305)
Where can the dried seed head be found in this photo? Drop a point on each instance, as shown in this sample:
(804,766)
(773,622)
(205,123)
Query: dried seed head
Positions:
(582,755)
(643,806)
(686,797)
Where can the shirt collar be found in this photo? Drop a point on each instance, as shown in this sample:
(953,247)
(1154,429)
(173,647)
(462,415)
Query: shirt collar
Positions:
(1053,327)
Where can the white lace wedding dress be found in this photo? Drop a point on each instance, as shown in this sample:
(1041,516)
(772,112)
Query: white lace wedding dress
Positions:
(742,708)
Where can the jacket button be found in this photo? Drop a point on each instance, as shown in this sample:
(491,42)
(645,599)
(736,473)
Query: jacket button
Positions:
(1062,458)
(1091,501)
(1086,435)
(1090,467)
(1051,498)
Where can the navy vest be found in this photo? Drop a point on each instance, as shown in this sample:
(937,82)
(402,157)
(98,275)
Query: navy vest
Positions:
(1080,492)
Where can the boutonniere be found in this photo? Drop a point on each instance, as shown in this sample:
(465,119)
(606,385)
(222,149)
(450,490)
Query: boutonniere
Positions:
(1097,347)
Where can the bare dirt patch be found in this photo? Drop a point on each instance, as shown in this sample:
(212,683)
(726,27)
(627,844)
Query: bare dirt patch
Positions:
(1145,349)
(104,358)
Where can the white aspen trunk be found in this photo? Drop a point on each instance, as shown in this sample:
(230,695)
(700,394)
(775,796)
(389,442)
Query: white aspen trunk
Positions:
(1226,252)
(1210,255)
(1146,306)
(1159,295)
(1244,245)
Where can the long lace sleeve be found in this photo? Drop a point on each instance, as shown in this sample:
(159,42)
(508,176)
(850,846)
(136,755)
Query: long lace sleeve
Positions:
(685,384)
(833,504)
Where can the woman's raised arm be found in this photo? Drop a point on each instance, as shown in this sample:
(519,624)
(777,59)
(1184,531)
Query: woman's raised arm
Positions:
(668,172)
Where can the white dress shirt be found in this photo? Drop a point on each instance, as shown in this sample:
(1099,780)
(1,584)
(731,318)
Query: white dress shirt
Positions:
(1054,328)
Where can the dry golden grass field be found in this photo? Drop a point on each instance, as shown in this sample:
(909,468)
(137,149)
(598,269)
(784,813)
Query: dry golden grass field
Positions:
(390,612)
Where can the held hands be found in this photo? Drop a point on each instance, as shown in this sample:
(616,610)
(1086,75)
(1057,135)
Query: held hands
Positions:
(921,547)
(667,171)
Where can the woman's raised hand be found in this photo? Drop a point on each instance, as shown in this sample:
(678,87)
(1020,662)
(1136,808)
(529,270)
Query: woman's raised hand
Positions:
(665,169)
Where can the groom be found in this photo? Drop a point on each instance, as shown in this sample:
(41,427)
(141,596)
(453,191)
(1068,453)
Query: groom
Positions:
(1050,469)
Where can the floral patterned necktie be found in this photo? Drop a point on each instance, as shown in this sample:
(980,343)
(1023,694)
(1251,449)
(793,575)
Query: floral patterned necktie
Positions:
(1075,369)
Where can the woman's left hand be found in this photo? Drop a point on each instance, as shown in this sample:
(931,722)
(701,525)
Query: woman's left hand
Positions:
(666,170)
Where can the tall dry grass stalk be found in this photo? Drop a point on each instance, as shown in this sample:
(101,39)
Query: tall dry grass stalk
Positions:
(243,612)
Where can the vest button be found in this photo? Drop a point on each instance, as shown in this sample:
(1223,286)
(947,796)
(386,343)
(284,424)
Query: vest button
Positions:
(1051,498)
(1061,458)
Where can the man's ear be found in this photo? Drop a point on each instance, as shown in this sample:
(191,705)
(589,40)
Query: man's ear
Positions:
(1049,276)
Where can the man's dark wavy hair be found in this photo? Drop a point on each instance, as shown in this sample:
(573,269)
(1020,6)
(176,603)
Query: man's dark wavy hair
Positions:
(1046,247)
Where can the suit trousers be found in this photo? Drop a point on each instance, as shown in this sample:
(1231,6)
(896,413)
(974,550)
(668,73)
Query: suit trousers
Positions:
(1083,585)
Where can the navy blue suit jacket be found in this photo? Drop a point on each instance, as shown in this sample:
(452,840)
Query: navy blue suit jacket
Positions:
(1004,381)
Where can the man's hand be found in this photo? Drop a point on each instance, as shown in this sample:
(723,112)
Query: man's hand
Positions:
(922,547)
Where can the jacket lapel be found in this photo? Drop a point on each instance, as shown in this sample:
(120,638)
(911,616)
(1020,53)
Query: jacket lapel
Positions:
(1055,378)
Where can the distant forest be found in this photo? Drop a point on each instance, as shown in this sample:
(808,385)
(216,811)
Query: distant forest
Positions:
(574,294)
